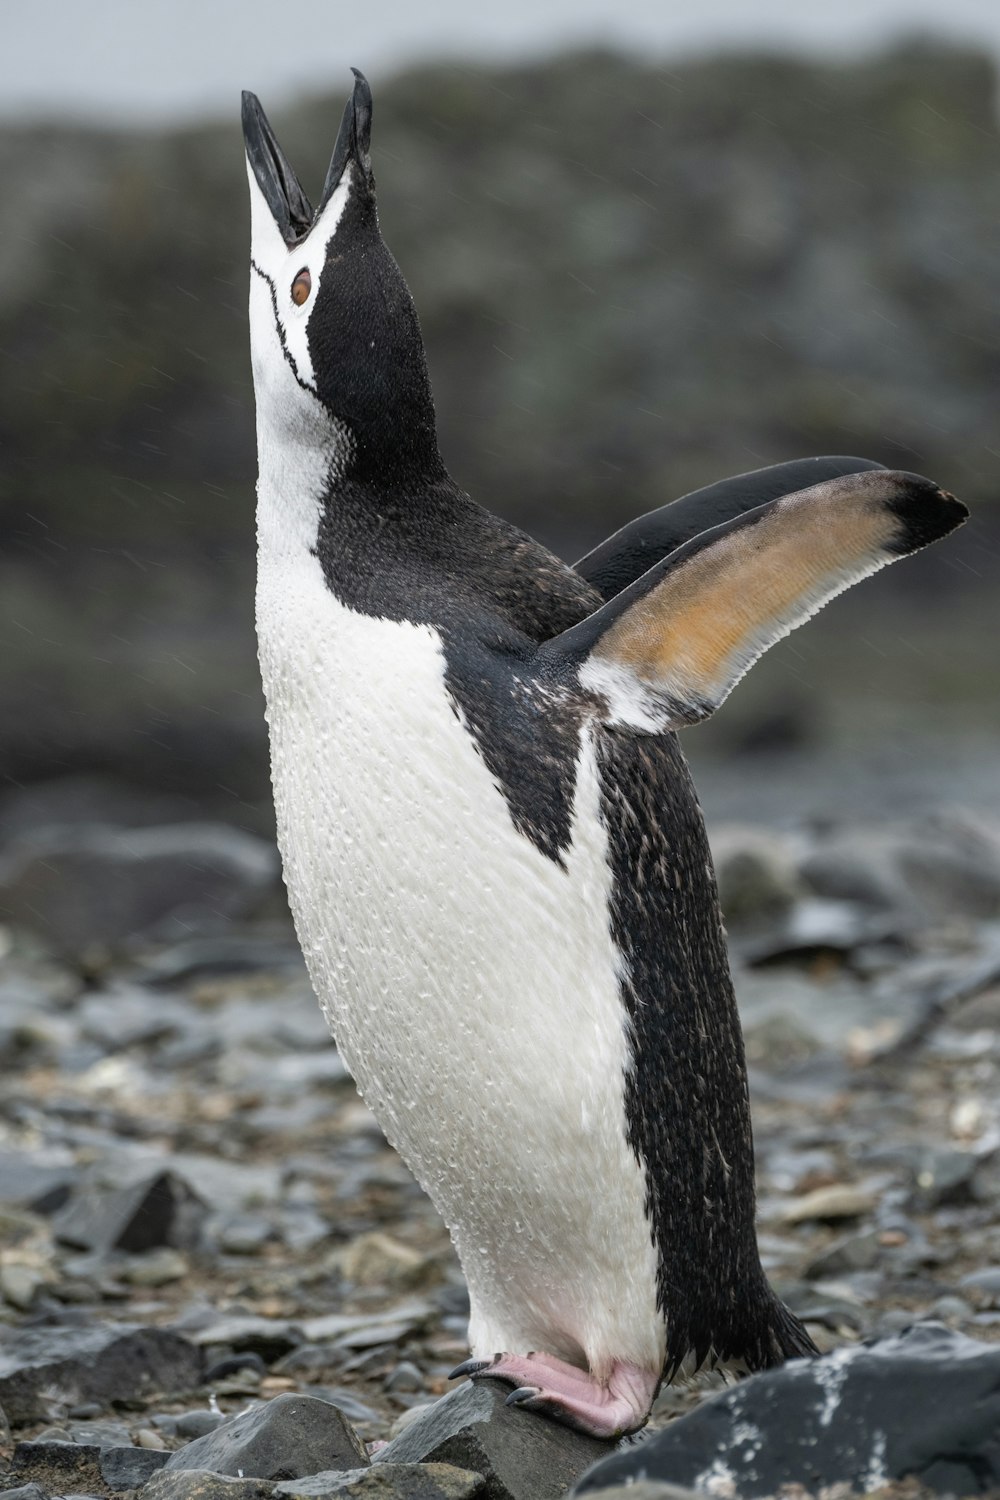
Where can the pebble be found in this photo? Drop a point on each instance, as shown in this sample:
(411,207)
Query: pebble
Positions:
(20,1284)
(379,1260)
(943,1175)
(354,1409)
(951,1309)
(195,1424)
(156,1268)
(854,1252)
(405,1377)
(756,873)
(835,1202)
(986,1283)
(245,1235)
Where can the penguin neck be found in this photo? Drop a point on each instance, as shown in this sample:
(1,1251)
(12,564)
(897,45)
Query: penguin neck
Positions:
(320,482)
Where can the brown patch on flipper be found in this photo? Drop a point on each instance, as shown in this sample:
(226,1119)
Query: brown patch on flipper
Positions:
(718,603)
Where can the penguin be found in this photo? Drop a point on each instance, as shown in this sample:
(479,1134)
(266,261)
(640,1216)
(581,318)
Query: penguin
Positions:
(494,854)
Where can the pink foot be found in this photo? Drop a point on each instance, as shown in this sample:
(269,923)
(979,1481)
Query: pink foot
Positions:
(558,1390)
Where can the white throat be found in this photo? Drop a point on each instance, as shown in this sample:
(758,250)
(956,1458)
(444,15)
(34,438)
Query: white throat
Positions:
(297,464)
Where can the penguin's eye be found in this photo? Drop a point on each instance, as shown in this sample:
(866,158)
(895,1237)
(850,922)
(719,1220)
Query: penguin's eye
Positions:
(301,287)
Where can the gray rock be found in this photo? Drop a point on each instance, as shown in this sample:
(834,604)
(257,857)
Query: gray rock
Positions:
(356,1411)
(202,1484)
(229,1185)
(97,884)
(39,1180)
(128,1468)
(648,1489)
(947,866)
(817,926)
(21,1284)
(244,1234)
(105,1434)
(857,865)
(124,1016)
(852,1252)
(161,1210)
(268,1337)
(756,872)
(289,1437)
(924,1404)
(25,1492)
(521,1456)
(42,1370)
(152,1268)
(951,1308)
(389,1482)
(195,1424)
(58,1467)
(945,1175)
(405,1377)
(986,1283)
(407,1315)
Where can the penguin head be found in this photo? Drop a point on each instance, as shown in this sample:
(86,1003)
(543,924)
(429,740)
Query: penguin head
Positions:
(338,359)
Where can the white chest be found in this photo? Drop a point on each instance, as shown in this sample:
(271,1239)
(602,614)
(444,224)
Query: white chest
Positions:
(469,980)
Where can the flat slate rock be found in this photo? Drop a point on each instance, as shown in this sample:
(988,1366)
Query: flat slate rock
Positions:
(58,1467)
(924,1404)
(127,1468)
(388,1482)
(46,1368)
(521,1456)
(287,1438)
(159,1210)
(200,1484)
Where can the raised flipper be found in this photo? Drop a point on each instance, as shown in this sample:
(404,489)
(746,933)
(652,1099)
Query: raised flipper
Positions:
(634,549)
(670,648)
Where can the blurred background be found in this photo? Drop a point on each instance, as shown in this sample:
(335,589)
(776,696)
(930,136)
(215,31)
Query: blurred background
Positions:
(648,250)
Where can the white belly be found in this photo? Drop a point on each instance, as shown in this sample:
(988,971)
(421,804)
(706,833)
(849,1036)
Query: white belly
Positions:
(470,982)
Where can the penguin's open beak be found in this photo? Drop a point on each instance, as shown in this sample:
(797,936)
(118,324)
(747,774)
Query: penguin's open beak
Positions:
(353,138)
(282,190)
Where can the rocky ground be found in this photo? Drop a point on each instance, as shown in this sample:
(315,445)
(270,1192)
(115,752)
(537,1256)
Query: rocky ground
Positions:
(200,1220)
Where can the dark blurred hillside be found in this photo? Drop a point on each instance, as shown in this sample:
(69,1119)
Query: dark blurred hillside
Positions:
(632,280)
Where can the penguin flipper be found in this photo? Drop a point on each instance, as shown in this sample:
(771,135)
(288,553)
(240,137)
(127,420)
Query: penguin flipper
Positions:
(669,649)
(635,548)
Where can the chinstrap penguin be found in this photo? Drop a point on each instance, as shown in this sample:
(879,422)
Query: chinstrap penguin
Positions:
(494,855)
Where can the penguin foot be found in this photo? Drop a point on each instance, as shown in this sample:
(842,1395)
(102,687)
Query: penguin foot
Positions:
(565,1394)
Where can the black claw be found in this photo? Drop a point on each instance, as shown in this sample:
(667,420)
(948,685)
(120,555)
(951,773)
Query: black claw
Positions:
(523,1395)
(472,1367)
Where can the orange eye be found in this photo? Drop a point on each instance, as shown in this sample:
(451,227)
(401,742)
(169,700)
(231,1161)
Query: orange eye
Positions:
(301,287)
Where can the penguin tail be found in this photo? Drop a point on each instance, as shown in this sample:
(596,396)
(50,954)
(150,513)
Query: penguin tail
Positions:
(788,1337)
